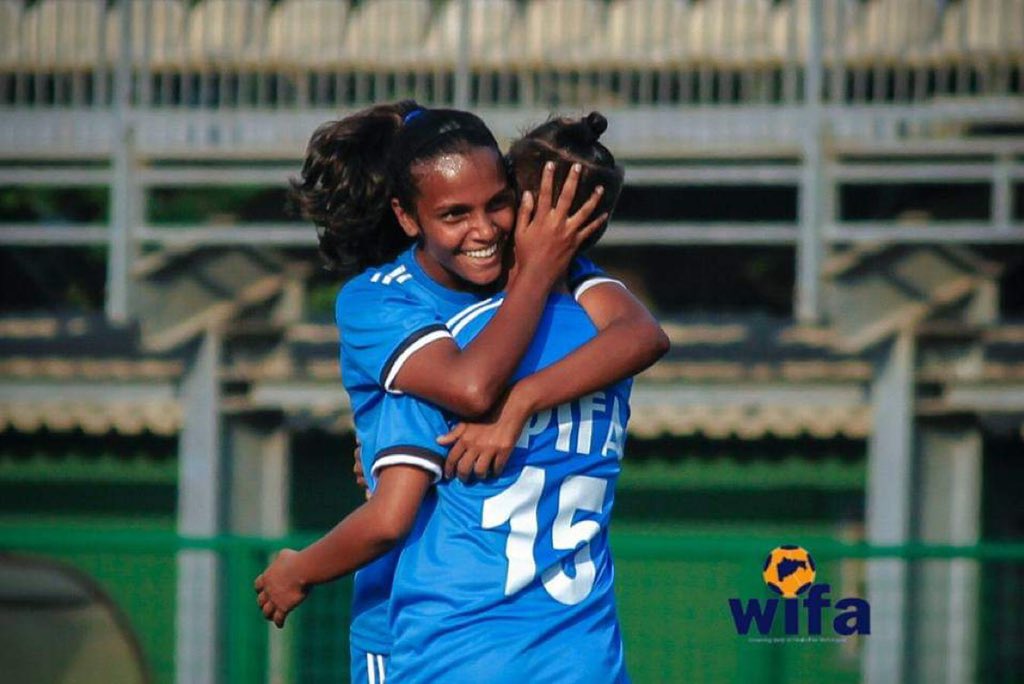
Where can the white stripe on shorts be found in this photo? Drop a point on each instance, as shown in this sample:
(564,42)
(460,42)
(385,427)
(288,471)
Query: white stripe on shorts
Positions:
(380,664)
(371,669)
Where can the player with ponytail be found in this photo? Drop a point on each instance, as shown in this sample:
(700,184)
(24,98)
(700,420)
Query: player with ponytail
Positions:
(417,201)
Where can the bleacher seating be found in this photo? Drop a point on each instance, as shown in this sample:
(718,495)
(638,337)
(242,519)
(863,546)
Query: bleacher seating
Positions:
(387,34)
(10,27)
(158,28)
(63,35)
(494,28)
(226,34)
(307,33)
(517,40)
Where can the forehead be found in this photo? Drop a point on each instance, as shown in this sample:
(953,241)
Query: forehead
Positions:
(467,177)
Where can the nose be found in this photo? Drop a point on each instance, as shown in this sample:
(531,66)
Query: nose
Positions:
(482,228)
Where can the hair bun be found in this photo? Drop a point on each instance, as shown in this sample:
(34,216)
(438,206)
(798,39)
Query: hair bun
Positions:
(595,124)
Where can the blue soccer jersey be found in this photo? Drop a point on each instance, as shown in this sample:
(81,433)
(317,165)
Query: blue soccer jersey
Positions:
(384,316)
(510,580)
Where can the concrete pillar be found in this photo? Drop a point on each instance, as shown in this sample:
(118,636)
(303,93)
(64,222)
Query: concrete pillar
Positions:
(888,509)
(260,470)
(812,186)
(945,605)
(199,515)
(125,206)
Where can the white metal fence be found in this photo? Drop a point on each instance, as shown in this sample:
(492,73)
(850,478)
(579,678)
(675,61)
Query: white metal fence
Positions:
(805,93)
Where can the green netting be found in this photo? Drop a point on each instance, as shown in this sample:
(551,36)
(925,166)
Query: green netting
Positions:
(673,588)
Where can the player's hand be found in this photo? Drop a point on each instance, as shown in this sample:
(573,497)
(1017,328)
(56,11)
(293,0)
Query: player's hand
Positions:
(357,469)
(481,450)
(279,589)
(546,236)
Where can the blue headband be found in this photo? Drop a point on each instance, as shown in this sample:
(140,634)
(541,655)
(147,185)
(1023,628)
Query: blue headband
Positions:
(412,115)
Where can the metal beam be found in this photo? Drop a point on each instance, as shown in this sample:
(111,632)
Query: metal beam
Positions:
(55,176)
(259,463)
(810,246)
(34,235)
(721,174)
(944,609)
(918,172)
(199,515)
(925,233)
(888,508)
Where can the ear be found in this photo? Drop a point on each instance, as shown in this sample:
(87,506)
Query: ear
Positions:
(409,224)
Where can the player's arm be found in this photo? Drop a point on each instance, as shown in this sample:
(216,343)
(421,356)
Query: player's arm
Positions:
(404,471)
(629,340)
(470,381)
(363,536)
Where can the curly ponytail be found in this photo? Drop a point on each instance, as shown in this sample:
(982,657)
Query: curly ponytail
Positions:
(567,142)
(344,188)
(355,166)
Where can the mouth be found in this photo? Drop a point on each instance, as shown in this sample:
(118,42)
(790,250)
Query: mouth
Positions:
(483,252)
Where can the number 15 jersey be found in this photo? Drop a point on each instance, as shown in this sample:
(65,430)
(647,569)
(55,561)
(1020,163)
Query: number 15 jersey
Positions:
(510,579)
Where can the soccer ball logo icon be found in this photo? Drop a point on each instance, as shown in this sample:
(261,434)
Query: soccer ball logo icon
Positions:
(788,571)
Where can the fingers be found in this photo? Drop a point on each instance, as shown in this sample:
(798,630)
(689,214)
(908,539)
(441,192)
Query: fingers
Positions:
(279,617)
(452,436)
(498,466)
(584,212)
(569,190)
(259,583)
(547,183)
(526,204)
(482,467)
(590,229)
(465,468)
(451,463)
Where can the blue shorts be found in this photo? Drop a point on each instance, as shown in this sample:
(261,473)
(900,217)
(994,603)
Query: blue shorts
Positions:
(366,667)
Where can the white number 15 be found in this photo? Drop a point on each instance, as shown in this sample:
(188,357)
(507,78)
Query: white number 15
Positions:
(517,506)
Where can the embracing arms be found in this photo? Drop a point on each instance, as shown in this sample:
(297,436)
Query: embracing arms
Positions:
(629,340)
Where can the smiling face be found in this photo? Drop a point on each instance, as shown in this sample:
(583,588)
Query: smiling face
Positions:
(464,211)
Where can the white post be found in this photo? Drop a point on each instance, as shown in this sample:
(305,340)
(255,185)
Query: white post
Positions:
(946,591)
(890,468)
(260,479)
(123,200)
(199,515)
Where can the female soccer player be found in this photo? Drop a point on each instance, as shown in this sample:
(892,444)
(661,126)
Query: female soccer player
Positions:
(396,176)
(525,590)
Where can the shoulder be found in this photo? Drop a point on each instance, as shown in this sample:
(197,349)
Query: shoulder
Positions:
(388,285)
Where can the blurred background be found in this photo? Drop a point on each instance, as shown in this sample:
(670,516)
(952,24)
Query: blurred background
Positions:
(824,206)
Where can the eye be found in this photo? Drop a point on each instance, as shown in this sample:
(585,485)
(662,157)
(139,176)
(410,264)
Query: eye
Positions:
(453,215)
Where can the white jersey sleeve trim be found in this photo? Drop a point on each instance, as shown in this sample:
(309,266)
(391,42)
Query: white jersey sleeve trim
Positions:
(466,320)
(412,345)
(591,282)
(431,465)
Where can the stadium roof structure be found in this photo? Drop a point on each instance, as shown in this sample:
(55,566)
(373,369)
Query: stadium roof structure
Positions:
(727,376)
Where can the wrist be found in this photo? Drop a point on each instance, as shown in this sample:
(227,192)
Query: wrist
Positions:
(536,275)
(296,566)
(522,402)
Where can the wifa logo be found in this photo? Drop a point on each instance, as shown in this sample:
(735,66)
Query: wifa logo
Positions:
(789,571)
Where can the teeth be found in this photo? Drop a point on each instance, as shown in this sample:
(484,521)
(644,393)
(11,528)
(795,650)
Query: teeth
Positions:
(483,253)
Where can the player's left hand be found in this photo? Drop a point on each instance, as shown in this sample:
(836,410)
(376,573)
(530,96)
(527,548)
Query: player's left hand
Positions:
(279,590)
(481,450)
